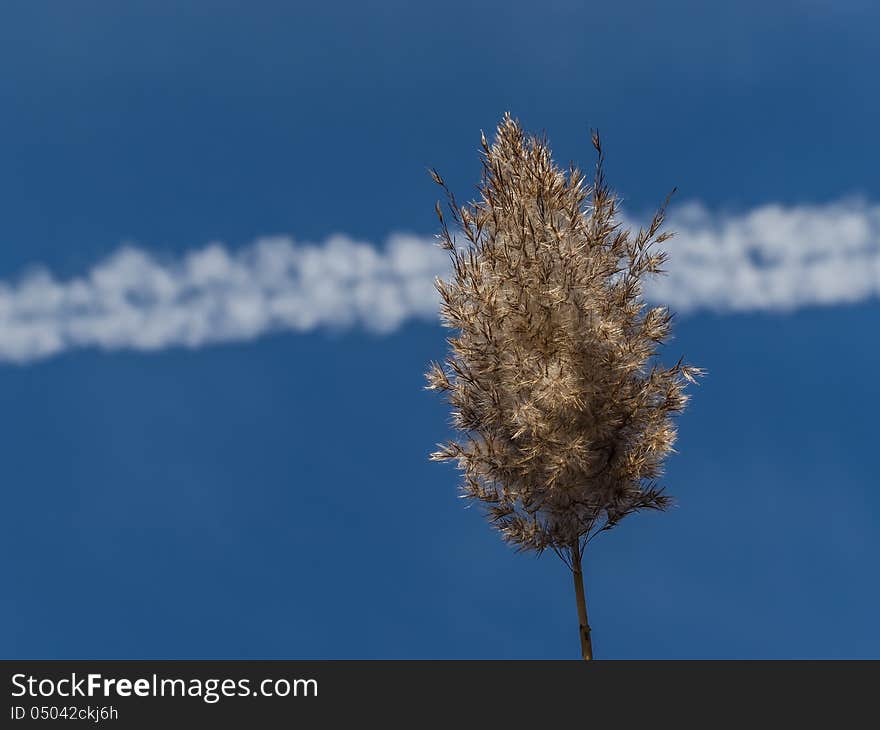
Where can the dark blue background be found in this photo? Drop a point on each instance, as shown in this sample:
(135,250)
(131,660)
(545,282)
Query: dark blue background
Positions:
(274,499)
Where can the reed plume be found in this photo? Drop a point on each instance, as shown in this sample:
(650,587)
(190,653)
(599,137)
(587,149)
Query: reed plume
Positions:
(565,414)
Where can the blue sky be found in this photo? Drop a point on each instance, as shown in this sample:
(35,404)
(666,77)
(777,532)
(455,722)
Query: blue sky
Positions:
(269,496)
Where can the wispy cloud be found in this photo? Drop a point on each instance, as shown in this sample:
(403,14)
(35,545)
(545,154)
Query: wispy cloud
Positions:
(138,301)
(769,258)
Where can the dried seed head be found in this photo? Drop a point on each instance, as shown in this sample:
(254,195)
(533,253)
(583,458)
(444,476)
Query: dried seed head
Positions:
(565,417)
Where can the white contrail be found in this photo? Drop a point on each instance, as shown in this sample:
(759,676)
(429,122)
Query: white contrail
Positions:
(134,300)
(769,258)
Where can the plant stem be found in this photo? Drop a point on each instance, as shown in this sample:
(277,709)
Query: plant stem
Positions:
(584,626)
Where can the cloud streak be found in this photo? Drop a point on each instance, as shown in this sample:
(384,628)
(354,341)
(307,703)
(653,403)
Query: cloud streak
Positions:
(134,300)
(770,258)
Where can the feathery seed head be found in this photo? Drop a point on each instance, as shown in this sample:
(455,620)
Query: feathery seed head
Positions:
(565,416)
